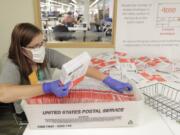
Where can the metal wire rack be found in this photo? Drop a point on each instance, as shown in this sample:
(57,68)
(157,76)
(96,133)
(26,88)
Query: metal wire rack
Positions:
(164,99)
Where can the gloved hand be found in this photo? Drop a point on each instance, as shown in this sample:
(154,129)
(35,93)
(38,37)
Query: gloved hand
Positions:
(56,88)
(117,85)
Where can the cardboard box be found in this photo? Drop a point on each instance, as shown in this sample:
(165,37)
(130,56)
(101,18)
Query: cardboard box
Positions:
(84,115)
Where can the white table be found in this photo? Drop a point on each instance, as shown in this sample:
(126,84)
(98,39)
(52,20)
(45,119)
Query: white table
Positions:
(174,127)
(77,28)
(151,123)
(84,29)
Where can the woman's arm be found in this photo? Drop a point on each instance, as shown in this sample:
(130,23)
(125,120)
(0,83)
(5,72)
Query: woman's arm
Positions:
(11,93)
(109,81)
(94,73)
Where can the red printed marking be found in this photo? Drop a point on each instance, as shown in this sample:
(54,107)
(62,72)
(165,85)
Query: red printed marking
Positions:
(168,10)
(83,96)
(124,60)
(78,80)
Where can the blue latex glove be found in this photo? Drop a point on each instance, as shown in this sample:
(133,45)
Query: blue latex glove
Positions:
(56,88)
(117,85)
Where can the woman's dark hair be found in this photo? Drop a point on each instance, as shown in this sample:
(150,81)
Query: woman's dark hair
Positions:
(22,35)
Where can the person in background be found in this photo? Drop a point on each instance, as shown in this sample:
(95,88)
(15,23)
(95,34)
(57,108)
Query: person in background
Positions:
(60,17)
(97,22)
(28,58)
(76,14)
(69,20)
(79,19)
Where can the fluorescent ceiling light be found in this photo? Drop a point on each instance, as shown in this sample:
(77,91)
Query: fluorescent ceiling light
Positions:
(74,1)
(72,4)
(93,3)
(55,2)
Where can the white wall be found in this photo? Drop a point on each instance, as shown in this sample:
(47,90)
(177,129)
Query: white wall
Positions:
(16,11)
(11,13)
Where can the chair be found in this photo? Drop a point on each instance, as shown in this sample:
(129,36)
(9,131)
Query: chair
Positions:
(10,107)
(62,33)
(5,107)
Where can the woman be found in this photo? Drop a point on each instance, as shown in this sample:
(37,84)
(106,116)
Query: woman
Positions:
(27,57)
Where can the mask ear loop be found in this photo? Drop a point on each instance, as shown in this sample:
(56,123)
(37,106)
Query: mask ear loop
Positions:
(24,51)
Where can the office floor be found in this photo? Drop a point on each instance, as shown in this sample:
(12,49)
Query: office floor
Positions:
(8,124)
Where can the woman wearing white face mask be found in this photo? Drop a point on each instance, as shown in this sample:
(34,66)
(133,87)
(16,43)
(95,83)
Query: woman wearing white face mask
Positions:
(28,58)
(28,61)
(38,53)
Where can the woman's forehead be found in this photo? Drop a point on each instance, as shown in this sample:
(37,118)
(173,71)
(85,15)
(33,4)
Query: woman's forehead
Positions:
(37,39)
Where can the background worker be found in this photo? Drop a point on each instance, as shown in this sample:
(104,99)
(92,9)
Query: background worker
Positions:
(69,20)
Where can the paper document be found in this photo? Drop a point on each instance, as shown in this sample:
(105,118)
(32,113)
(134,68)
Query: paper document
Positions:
(75,69)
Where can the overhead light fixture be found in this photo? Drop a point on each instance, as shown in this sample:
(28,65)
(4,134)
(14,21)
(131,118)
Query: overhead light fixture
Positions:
(74,1)
(96,1)
(73,4)
(55,2)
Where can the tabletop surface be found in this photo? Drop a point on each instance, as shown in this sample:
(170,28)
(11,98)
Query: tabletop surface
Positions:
(77,28)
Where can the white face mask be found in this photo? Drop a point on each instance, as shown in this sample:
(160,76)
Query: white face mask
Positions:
(38,54)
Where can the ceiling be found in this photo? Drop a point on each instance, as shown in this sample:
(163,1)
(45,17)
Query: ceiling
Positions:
(69,1)
(79,2)
(82,1)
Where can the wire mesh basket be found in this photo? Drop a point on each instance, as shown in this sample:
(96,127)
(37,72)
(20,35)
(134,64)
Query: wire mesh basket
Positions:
(164,99)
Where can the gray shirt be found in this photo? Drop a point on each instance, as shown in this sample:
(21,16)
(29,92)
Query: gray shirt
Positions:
(11,74)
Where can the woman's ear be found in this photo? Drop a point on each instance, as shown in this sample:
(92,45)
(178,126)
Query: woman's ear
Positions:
(27,53)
